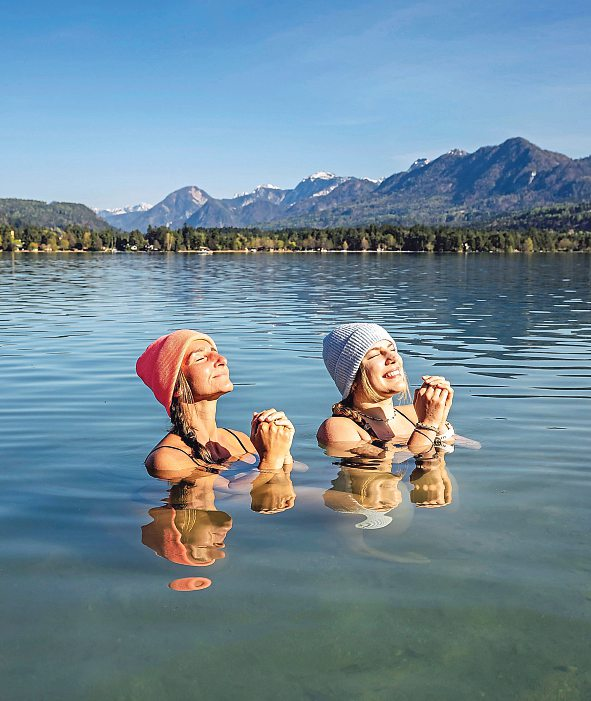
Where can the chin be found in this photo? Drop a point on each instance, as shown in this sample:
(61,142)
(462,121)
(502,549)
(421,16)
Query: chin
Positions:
(393,389)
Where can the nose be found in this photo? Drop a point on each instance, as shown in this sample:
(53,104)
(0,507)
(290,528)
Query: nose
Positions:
(391,355)
(218,359)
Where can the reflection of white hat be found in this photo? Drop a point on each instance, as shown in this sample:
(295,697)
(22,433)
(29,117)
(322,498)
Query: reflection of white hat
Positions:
(346,503)
(343,350)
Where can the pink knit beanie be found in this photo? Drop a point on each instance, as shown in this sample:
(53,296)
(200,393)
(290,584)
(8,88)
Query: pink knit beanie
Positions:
(158,366)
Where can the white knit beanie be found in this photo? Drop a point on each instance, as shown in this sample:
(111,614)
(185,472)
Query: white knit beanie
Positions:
(344,348)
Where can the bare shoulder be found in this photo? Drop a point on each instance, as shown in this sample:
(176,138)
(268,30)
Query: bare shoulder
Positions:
(338,429)
(170,459)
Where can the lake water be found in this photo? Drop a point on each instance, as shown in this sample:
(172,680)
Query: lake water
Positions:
(488,597)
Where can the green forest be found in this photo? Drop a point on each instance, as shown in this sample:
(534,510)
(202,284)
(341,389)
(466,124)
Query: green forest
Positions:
(564,227)
(361,238)
(21,213)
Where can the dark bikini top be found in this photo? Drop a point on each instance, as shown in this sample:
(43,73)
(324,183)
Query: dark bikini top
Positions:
(355,416)
(207,468)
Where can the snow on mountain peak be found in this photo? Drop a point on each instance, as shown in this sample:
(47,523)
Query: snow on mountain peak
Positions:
(326,191)
(258,189)
(457,152)
(141,207)
(420,163)
(321,175)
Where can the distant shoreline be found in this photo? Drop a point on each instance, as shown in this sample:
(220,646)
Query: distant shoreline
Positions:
(363,239)
(288,252)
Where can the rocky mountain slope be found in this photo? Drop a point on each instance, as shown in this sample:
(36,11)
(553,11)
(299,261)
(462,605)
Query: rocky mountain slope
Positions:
(457,186)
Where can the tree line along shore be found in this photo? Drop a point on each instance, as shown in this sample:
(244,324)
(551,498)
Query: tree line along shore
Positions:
(438,239)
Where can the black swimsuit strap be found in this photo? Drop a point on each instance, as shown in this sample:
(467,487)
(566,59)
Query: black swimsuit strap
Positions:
(355,416)
(360,420)
(405,416)
(201,466)
(197,462)
(238,439)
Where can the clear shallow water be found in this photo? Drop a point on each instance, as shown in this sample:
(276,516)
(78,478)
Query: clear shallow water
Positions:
(488,597)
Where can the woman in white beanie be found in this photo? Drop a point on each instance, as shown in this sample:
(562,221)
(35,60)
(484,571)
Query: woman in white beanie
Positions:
(364,363)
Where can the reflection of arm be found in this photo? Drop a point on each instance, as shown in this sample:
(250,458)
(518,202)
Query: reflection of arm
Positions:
(432,486)
(272,492)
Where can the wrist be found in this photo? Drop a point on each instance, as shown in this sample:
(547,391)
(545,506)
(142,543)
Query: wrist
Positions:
(271,462)
(427,426)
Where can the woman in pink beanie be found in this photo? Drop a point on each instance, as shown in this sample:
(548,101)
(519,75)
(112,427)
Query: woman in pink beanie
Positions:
(188,375)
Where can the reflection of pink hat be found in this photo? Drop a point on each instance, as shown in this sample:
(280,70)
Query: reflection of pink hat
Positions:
(164,537)
(158,366)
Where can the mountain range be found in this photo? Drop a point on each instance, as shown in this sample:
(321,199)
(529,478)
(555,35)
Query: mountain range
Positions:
(455,187)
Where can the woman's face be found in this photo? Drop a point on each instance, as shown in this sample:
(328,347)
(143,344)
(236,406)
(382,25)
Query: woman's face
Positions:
(206,371)
(383,367)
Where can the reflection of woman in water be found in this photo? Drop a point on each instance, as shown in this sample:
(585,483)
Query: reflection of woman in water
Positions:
(188,375)
(372,494)
(364,362)
(189,530)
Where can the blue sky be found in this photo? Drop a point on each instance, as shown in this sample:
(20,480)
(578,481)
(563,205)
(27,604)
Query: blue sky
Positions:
(113,103)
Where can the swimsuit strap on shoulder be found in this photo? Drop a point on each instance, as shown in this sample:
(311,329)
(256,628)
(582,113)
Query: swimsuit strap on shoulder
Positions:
(349,413)
(238,439)
(404,415)
(180,450)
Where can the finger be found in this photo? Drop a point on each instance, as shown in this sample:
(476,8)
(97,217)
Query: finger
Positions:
(273,416)
(284,422)
(442,384)
(437,382)
(436,398)
(263,414)
(433,379)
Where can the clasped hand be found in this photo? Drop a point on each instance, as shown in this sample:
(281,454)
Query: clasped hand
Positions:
(272,434)
(433,400)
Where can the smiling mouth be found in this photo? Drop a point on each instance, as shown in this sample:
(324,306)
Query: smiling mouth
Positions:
(392,374)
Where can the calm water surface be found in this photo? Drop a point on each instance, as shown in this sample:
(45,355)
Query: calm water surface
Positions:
(488,597)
